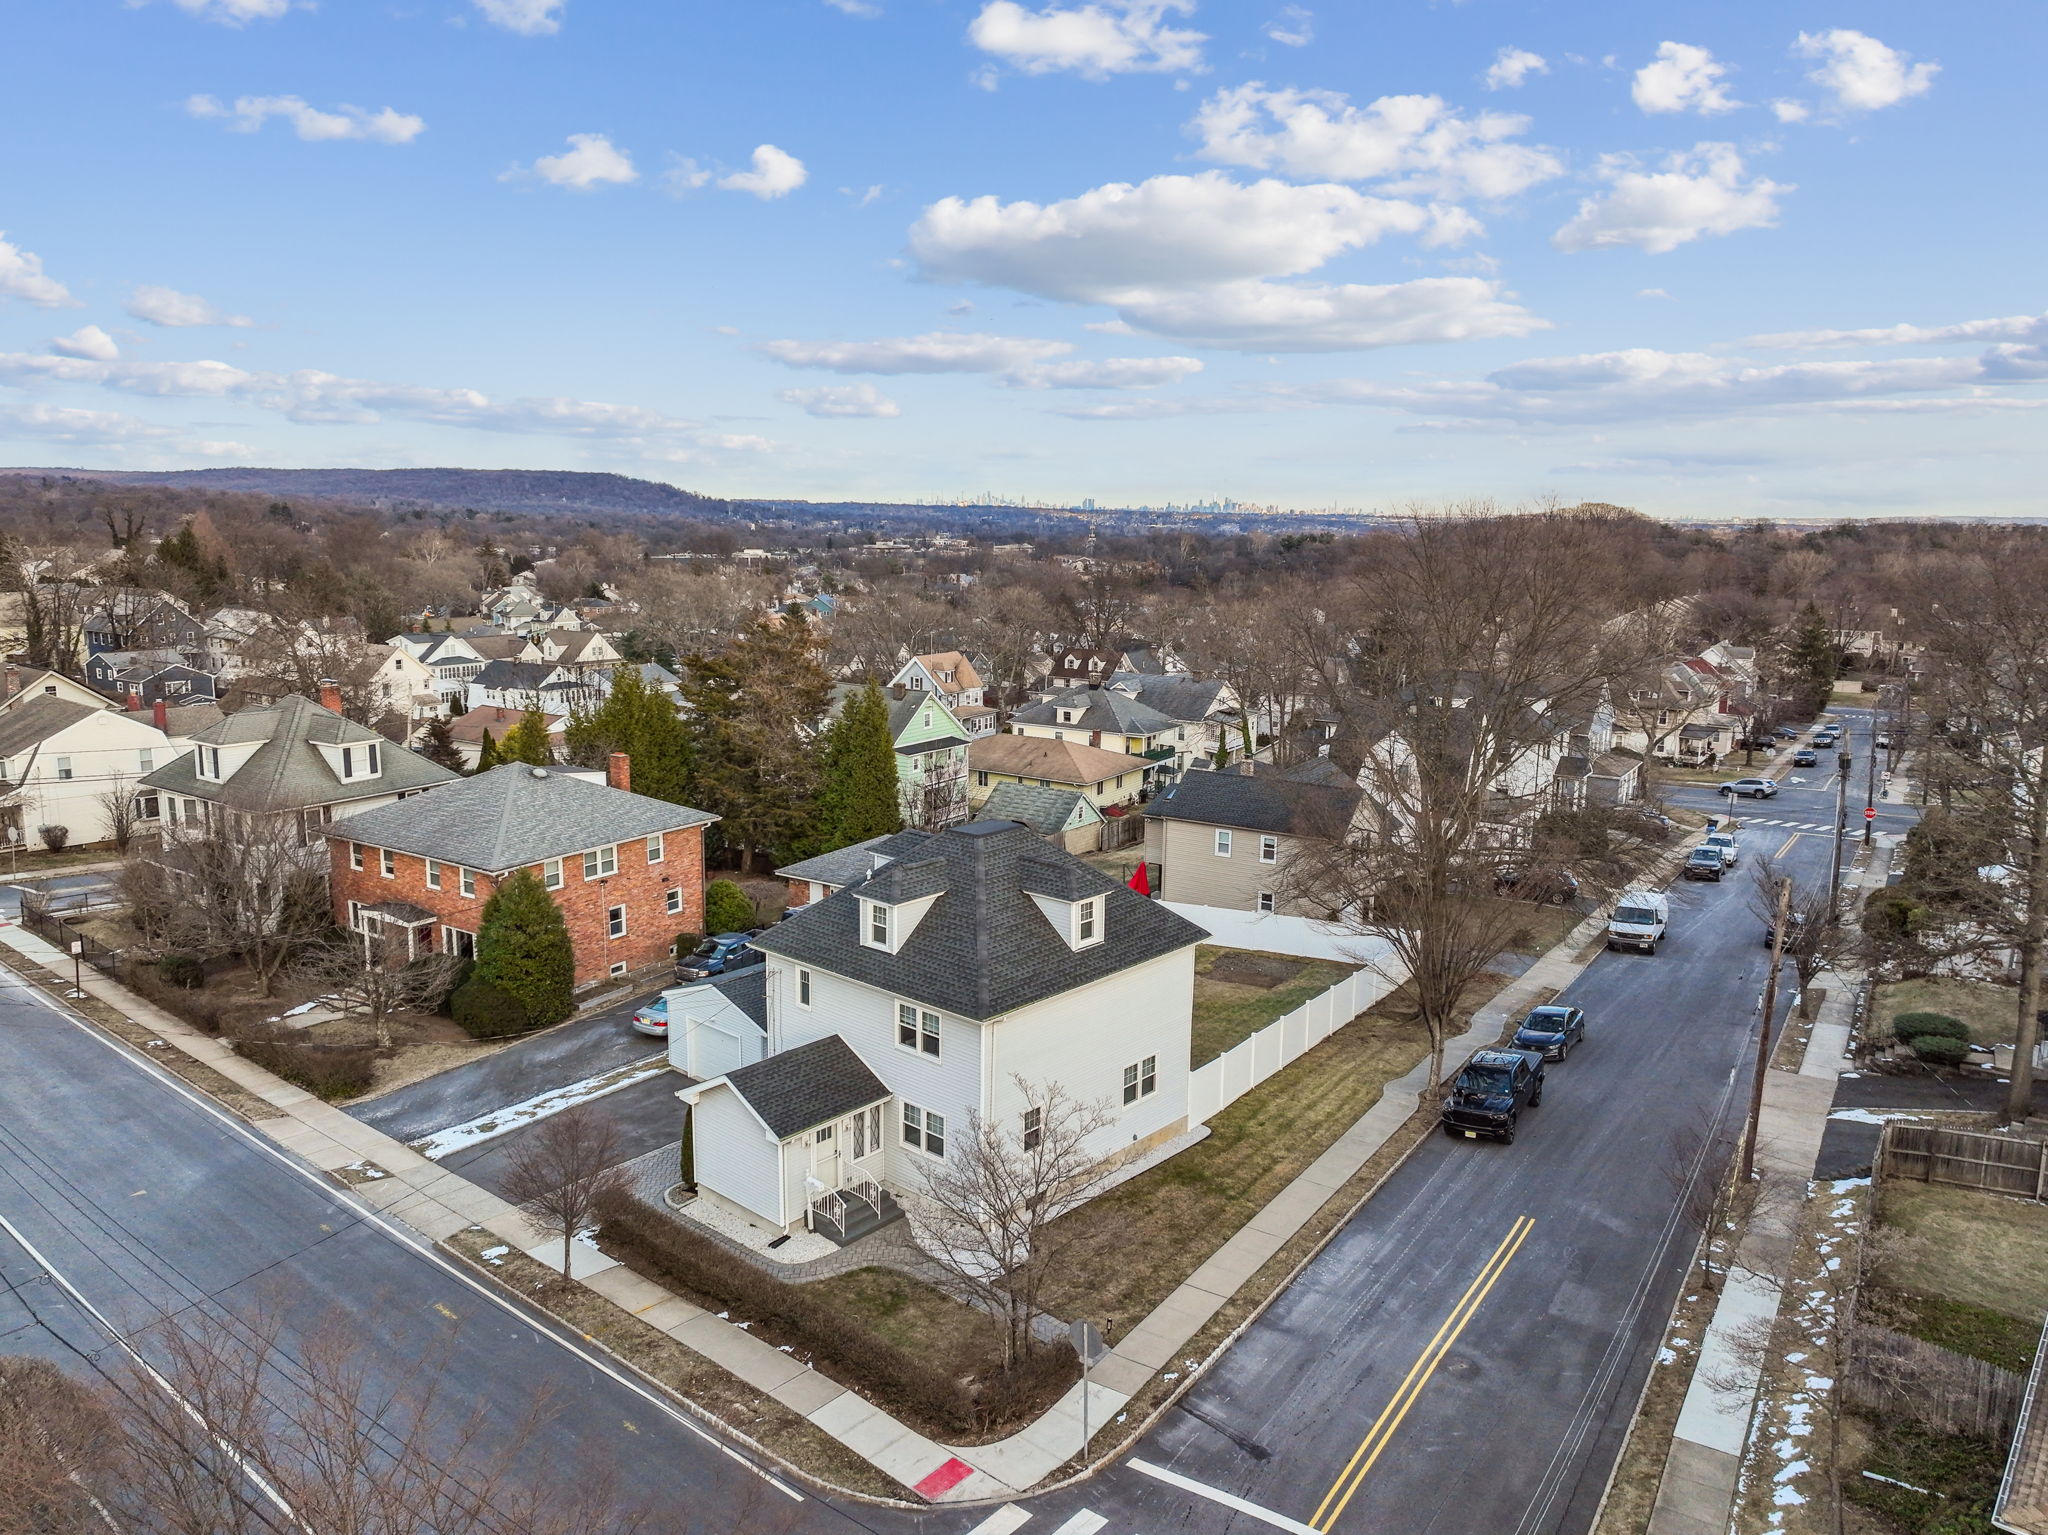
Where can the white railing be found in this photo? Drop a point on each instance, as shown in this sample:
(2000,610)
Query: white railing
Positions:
(867,1189)
(832,1207)
(1216,1084)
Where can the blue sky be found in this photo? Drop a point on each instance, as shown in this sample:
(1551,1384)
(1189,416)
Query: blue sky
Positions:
(1743,259)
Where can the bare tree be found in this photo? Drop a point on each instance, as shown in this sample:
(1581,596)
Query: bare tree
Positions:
(562,1170)
(989,1213)
(242,884)
(1707,1197)
(1814,939)
(118,810)
(371,978)
(56,1439)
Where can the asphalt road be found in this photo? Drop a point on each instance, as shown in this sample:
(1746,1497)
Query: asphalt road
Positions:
(644,1116)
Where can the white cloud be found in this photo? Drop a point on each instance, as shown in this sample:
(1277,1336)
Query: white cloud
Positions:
(1109,373)
(683,175)
(87,341)
(859,8)
(1110,328)
(1682,78)
(1651,293)
(309,395)
(2023,328)
(249,113)
(1333,317)
(1861,73)
(1415,143)
(1788,111)
(842,400)
(234,13)
(1094,40)
(939,351)
(1294,27)
(1700,191)
(1511,66)
(591,160)
(168,307)
(102,428)
(776,173)
(529,18)
(22,277)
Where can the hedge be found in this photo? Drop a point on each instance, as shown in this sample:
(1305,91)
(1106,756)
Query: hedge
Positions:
(202,1009)
(968,1397)
(1909,1026)
(726,908)
(1940,1049)
(482,1011)
(326,1071)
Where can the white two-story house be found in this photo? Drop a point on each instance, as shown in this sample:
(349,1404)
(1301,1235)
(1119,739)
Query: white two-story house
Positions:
(949,985)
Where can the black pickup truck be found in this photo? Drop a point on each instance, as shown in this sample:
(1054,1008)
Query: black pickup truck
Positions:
(1488,1096)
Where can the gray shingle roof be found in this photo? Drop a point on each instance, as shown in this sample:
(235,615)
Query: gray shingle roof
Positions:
(516,676)
(1269,802)
(811,1085)
(748,991)
(36,721)
(1177,695)
(908,879)
(844,865)
(513,816)
(984,948)
(1099,709)
(287,771)
(1045,811)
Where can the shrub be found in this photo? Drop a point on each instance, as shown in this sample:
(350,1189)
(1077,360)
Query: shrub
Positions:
(327,1072)
(483,1011)
(1910,1026)
(726,908)
(182,969)
(1940,1049)
(202,1009)
(54,837)
(441,980)
(523,948)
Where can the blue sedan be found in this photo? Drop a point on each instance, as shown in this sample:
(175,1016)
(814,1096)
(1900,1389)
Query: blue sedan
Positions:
(1552,1031)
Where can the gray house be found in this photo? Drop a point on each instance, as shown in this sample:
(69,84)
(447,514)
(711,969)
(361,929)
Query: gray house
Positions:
(1225,837)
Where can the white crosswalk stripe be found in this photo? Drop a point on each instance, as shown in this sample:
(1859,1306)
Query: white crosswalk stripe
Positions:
(1004,1521)
(1083,1523)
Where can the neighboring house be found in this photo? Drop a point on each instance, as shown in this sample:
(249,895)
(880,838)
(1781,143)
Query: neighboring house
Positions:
(580,651)
(402,685)
(1084,668)
(1064,817)
(449,658)
(1226,838)
(20,686)
(149,676)
(135,618)
(718,1025)
(931,761)
(493,646)
(294,764)
(958,983)
(1211,711)
(1103,778)
(467,730)
(626,870)
(952,676)
(532,685)
(812,879)
(1112,719)
(60,760)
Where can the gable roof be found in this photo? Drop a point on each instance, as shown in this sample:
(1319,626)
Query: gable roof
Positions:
(179,719)
(1179,696)
(1045,811)
(37,720)
(940,662)
(496,647)
(287,771)
(469,726)
(903,710)
(1066,762)
(1292,802)
(984,948)
(798,1090)
(515,815)
(842,866)
(1099,708)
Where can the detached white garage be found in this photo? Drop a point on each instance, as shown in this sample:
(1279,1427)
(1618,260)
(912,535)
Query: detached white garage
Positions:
(715,1027)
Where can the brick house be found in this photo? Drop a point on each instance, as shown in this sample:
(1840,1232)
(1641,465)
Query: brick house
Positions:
(627,870)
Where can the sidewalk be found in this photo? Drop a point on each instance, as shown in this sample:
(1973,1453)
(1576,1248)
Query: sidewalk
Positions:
(1701,1472)
(438,1203)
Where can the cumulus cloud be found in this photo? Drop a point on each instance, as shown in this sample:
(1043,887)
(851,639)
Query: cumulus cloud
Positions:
(1860,73)
(529,18)
(1294,27)
(22,276)
(1511,66)
(1190,257)
(859,8)
(1109,373)
(1682,78)
(939,351)
(168,307)
(2022,328)
(87,341)
(1700,191)
(249,113)
(776,173)
(1416,144)
(1094,41)
(234,13)
(1787,111)
(842,400)
(591,160)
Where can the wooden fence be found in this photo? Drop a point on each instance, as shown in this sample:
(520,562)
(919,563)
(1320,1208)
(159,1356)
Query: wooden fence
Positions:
(1950,1393)
(1968,1159)
(1120,831)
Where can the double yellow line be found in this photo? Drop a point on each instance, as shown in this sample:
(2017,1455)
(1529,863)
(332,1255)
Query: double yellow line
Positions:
(1382,1430)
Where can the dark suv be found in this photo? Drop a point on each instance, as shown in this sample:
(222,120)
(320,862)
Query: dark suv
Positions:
(721,954)
(1705,863)
(1552,1031)
(1488,1096)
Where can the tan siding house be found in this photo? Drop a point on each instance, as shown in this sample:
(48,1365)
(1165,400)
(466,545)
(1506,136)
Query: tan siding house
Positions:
(1225,837)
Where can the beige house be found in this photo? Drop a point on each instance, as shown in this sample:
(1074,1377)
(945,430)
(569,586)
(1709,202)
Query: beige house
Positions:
(1064,817)
(1103,778)
(64,764)
(1225,837)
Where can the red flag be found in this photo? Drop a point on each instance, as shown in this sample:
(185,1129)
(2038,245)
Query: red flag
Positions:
(1141,879)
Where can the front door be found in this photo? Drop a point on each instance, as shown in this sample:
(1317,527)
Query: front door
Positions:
(825,1156)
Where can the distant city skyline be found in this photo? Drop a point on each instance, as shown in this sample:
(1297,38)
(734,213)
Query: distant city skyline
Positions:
(1749,261)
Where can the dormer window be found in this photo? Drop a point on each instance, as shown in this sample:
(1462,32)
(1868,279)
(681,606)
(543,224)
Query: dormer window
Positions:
(877,928)
(361,760)
(1087,922)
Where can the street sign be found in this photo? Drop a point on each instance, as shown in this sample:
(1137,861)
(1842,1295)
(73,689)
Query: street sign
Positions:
(1087,1340)
(1870,812)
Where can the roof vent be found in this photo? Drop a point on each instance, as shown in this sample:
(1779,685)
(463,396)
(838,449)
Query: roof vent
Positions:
(540,772)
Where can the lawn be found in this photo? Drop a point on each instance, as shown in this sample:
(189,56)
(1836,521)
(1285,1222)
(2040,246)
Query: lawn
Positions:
(1989,1009)
(912,1315)
(1238,992)
(1981,1249)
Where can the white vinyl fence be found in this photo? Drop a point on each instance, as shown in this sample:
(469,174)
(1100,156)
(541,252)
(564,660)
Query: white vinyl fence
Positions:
(1220,1083)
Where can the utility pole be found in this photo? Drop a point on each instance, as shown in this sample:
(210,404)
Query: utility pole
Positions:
(1870,778)
(1842,761)
(1763,1038)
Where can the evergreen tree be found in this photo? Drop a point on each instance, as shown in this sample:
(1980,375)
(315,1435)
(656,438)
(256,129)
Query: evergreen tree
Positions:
(641,722)
(858,796)
(752,712)
(528,741)
(1812,661)
(487,755)
(438,746)
(523,949)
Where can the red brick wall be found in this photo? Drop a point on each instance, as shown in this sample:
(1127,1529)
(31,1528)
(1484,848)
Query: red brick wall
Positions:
(638,886)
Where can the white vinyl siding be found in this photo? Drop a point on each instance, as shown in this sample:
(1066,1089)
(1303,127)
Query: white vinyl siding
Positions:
(736,1157)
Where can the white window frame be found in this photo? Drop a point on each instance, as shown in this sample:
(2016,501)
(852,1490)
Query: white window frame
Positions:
(615,921)
(803,988)
(355,855)
(1088,922)
(1033,1130)
(433,874)
(145,760)
(878,914)
(914,1129)
(551,874)
(450,934)
(1222,842)
(387,864)
(64,770)
(1266,906)
(465,881)
(656,848)
(675,900)
(601,862)
(1269,849)
(921,1024)
(1141,1079)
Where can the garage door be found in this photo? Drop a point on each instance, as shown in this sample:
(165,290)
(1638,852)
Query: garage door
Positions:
(713,1052)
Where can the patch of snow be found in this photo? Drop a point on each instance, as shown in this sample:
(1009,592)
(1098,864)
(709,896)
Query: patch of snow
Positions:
(369,1172)
(1873,1116)
(494,1255)
(490,1126)
(1667,1356)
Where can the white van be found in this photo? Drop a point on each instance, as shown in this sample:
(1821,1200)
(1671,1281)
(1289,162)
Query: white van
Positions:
(1638,921)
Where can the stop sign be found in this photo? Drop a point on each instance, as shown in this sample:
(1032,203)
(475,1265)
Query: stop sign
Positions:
(1870,812)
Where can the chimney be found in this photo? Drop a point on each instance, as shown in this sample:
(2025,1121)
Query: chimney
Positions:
(11,684)
(899,692)
(330,694)
(618,771)
(134,701)
(160,716)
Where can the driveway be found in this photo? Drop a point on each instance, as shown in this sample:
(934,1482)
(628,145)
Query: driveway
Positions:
(66,892)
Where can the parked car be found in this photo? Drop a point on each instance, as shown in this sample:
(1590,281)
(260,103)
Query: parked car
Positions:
(1883,743)
(1805,757)
(652,1019)
(1787,732)
(1793,928)
(1488,1096)
(1546,886)
(1751,788)
(1552,1031)
(720,954)
(1654,824)
(1724,843)
(1638,921)
(1827,735)
(1705,863)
